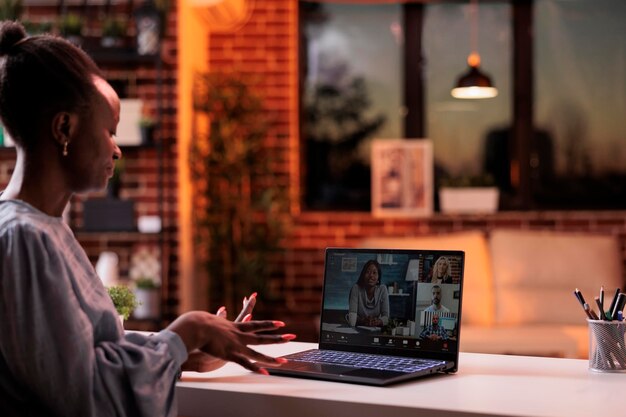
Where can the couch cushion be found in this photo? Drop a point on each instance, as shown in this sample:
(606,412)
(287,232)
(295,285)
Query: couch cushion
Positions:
(478,307)
(536,272)
(532,340)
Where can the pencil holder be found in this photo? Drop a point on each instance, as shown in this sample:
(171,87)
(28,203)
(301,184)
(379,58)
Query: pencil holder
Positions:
(607,350)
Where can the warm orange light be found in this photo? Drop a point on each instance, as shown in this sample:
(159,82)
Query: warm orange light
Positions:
(473,60)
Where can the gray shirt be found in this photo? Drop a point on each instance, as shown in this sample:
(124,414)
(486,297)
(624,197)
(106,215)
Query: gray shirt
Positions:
(362,305)
(63,351)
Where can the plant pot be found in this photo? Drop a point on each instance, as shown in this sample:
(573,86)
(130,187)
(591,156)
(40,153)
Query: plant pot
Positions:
(112,42)
(469,200)
(149,303)
(76,40)
(147,134)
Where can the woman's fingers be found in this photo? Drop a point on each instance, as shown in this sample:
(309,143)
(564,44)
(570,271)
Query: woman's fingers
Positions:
(259,325)
(221,312)
(266,339)
(248,306)
(246,359)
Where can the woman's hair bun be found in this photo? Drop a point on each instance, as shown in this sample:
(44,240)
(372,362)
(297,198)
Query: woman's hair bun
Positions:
(10,34)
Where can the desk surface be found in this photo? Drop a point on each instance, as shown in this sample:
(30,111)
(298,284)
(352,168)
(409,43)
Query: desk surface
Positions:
(494,385)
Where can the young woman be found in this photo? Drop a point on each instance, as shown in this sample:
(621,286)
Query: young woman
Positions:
(62,349)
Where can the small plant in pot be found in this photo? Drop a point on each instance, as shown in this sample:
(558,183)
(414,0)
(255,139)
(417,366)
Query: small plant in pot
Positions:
(37,28)
(468,194)
(71,28)
(124,300)
(115,183)
(11,9)
(113,32)
(147,126)
(145,272)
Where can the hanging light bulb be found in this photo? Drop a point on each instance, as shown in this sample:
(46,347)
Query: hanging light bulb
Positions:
(474,83)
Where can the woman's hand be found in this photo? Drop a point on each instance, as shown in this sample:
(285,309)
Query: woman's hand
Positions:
(199,361)
(211,339)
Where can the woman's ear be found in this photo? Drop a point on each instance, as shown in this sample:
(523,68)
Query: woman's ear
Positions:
(64,125)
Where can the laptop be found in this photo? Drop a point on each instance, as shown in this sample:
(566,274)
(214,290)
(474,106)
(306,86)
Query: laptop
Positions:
(388,315)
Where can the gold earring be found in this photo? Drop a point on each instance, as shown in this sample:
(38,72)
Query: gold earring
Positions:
(65,149)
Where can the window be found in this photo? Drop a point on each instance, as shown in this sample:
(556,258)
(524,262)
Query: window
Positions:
(565,148)
(461,130)
(351,94)
(580,103)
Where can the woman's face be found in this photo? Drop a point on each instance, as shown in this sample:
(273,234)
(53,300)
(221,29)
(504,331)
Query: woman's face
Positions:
(92,149)
(442,268)
(371,275)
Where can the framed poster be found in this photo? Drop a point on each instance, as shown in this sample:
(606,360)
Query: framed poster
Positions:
(402,178)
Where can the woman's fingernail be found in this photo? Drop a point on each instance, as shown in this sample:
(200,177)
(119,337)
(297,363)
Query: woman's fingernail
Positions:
(288,336)
(263,371)
(281,360)
(253,295)
(278,323)
(244,300)
(247,317)
(221,309)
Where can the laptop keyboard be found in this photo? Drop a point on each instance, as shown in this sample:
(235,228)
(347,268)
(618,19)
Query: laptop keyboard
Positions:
(365,360)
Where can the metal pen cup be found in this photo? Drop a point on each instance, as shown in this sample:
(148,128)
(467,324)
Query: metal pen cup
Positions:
(607,348)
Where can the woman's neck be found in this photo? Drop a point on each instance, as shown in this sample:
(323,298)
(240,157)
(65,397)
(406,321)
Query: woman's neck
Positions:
(32,183)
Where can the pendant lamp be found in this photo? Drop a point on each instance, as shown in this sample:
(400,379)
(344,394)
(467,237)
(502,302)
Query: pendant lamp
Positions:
(474,83)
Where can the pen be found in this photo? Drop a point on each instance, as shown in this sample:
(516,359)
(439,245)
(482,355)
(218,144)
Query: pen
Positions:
(602,294)
(580,296)
(617,291)
(600,307)
(590,313)
(619,305)
(576,294)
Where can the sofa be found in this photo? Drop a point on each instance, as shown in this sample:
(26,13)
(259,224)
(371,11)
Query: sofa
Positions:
(518,287)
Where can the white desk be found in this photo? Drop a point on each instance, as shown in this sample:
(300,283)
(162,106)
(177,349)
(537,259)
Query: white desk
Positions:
(490,385)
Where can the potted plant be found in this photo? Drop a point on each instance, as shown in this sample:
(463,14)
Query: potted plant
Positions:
(11,9)
(113,32)
(147,126)
(145,272)
(115,183)
(239,205)
(36,28)
(71,28)
(468,194)
(124,300)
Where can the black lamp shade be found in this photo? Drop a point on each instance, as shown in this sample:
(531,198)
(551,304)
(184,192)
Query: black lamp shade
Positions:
(474,84)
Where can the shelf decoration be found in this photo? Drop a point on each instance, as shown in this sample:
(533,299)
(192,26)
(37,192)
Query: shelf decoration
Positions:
(149,22)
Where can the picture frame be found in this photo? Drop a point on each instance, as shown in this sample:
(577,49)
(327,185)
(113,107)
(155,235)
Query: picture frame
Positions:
(402,177)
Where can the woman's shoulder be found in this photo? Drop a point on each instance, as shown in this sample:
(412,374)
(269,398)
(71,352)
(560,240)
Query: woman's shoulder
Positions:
(19,215)
(22,222)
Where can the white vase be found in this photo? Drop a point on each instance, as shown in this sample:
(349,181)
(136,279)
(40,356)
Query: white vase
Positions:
(107,268)
(149,301)
(469,200)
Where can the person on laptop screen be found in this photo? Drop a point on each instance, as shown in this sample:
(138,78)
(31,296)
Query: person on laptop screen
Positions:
(369,300)
(436,306)
(442,271)
(434,331)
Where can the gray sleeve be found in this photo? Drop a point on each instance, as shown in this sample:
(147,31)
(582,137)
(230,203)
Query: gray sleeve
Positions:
(49,344)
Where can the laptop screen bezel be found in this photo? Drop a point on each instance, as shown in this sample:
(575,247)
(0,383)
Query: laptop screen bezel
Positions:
(450,356)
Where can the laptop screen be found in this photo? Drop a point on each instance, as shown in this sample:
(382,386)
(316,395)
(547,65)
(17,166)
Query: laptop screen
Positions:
(399,299)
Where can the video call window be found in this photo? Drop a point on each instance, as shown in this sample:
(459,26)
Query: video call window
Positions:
(415,297)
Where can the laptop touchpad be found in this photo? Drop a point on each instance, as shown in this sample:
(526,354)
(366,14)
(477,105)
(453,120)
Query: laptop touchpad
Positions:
(318,368)
(372,373)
